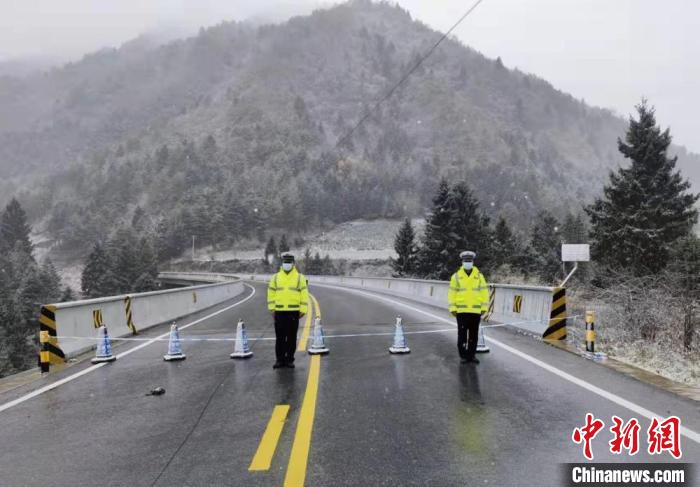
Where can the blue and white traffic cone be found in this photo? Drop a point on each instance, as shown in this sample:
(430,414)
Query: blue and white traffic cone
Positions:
(318,345)
(241,349)
(400,345)
(103,352)
(481,346)
(174,346)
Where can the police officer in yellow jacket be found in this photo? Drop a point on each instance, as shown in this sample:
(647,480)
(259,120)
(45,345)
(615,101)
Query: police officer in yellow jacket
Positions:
(468,298)
(287,300)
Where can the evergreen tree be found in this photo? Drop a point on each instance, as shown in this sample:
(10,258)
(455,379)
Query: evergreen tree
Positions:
(545,247)
(574,230)
(96,267)
(505,248)
(470,229)
(14,229)
(51,281)
(283,245)
(432,256)
(406,251)
(270,250)
(125,259)
(306,261)
(646,207)
(67,295)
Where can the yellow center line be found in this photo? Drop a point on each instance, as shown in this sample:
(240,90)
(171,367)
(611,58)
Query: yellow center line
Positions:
(298,459)
(268,444)
(307,327)
(296,470)
(318,308)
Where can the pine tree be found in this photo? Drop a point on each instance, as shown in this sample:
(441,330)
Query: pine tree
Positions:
(51,281)
(306,263)
(505,247)
(96,267)
(646,207)
(67,295)
(270,250)
(545,247)
(574,230)
(470,229)
(14,229)
(432,256)
(406,251)
(283,245)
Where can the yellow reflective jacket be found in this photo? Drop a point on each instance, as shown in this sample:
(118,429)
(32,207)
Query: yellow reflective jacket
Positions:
(468,293)
(287,291)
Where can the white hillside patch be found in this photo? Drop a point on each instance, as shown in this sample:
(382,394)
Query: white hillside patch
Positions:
(354,240)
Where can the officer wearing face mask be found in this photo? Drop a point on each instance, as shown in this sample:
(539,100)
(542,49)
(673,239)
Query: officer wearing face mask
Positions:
(468,298)
(287,300)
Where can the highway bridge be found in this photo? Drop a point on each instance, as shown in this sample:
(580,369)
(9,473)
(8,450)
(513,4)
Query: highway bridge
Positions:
(357,416)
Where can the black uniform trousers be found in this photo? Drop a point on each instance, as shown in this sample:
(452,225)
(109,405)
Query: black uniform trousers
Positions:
(467,333)
(286,327)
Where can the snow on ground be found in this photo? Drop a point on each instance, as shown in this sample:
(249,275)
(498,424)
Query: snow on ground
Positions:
(355,240)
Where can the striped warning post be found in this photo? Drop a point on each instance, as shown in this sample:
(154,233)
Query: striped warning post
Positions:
(97,318)
(50,352)
(492,302)
(557,317)
(517,303)
(129,315)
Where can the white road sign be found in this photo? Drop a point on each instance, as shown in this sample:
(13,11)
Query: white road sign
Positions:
(575,253)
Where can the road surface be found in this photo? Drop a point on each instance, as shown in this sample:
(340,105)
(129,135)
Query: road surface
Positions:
(358,416)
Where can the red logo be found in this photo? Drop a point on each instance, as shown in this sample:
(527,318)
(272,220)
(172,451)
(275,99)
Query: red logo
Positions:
(586,434)
(665,436)
(662,436)
(627,437)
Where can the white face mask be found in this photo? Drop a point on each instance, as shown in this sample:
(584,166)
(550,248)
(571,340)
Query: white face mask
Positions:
(287,266)
(467,265)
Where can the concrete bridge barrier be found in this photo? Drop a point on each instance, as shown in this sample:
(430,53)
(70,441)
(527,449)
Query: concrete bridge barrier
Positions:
(540,310)
(125,315)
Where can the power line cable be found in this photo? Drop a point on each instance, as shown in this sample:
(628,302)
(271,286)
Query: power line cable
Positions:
(420,61)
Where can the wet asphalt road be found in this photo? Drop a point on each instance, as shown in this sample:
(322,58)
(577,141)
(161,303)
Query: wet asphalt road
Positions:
(418,419)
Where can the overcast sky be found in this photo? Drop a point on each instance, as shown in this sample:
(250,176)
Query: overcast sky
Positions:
(609,52)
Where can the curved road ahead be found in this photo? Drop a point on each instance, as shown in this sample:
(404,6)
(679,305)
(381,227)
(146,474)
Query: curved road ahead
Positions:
(362,417)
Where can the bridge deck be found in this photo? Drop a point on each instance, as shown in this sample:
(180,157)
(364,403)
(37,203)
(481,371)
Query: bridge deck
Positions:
(418,419)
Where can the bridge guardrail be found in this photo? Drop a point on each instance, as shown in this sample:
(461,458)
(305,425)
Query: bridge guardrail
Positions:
(540,310)
(124,315)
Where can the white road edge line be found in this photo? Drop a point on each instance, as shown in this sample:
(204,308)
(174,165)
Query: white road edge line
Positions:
(92,368)
(688,433)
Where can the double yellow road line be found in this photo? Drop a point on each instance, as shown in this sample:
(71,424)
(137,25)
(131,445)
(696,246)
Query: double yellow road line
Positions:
(298,459)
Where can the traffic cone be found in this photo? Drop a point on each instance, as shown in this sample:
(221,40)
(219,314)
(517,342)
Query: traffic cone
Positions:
(318,345)
(241,349)
(481,346)
(400,345)
(174,346)
(103,352)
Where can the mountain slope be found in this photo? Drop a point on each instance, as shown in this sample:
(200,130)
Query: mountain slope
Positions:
(236,129)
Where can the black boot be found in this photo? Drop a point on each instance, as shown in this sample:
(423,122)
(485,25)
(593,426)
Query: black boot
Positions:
(473,360)
(278,365)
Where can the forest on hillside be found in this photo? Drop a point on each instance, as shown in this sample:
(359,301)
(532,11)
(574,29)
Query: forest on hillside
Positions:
(242,129)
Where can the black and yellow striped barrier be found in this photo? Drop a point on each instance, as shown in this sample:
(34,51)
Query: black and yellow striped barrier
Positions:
(517,303)
(556,329)
(129,315)
(492,302)
(50,352)
(97,318)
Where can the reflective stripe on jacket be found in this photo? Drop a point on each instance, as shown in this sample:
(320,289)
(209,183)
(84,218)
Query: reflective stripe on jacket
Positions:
(468,293)
(287,291)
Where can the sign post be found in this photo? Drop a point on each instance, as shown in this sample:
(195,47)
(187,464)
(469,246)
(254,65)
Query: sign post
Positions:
(574,253)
